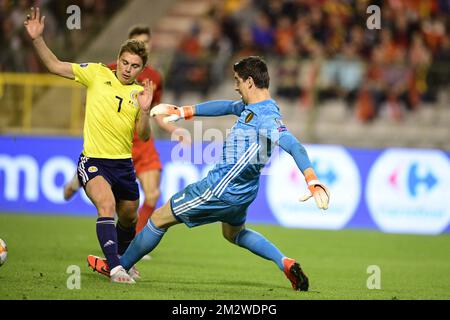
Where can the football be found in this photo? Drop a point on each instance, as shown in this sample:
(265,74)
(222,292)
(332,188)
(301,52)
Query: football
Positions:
(3,252)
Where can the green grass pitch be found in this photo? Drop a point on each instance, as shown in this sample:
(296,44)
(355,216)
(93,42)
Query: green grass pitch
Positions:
(199,264)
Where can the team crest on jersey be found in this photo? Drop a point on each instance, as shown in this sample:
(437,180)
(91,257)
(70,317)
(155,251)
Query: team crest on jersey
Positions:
(249,117)
(133,98)
(92,169)
(280,125)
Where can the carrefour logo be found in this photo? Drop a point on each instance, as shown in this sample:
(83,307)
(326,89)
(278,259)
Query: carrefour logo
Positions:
(408,191)
(334,167)
(415,181)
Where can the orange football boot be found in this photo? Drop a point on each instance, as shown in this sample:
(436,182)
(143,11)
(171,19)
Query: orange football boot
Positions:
(98,264)
(295,274)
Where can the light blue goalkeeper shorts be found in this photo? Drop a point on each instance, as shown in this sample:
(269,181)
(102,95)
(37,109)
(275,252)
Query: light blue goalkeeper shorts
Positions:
(196,205)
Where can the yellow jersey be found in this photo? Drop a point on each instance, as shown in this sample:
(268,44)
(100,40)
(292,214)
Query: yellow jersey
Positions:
(112,110)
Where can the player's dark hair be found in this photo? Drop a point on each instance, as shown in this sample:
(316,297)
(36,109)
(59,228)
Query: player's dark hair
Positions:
(136,47)
(254,67)
(138,30)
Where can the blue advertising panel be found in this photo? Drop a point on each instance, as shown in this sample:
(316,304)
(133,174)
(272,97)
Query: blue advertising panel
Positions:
(392,190)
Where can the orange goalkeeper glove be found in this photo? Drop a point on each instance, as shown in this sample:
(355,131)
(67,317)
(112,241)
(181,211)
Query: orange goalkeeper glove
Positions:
(317,190)
(172,113)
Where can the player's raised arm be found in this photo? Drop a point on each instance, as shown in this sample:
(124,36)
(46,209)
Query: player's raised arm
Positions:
(145,98)
(214,108)
(35,27)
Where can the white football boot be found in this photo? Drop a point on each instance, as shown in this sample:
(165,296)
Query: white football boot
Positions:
(120,275)
(134,273)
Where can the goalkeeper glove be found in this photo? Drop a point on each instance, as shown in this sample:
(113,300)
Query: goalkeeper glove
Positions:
(172,113)
(317,190)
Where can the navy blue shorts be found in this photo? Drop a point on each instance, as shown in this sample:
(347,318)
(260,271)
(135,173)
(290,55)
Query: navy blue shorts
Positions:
(196,205)
(118,172)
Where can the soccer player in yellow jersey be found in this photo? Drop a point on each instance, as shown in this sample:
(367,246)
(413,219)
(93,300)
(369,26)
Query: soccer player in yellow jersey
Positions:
(115,106)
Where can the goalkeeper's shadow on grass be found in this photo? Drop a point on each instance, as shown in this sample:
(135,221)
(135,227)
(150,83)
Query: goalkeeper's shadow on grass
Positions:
(207,283)
(260,285)
(245,284)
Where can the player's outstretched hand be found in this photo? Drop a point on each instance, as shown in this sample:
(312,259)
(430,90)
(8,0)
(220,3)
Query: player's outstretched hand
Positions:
(145,97)
(320,193)
(34,23)
(171,112)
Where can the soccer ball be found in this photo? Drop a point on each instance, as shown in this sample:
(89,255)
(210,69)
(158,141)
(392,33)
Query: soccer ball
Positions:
(3,252)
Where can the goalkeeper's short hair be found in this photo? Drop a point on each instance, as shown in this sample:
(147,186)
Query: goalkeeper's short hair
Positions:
(254,67)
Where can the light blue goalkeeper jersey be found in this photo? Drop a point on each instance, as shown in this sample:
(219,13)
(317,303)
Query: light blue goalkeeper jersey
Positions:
(248,147)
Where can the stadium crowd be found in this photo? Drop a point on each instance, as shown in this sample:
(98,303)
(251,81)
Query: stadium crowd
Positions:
(318,49)
(16,53)
(323,49)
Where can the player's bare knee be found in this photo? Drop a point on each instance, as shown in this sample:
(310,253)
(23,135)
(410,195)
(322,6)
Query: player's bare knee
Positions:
(230,235)
(230,232)
(127,213)
(151,197)
(158,218)
(128,220)
(106,210)
(163,217)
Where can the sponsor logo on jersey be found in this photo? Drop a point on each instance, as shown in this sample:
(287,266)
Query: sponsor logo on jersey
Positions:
(84,65)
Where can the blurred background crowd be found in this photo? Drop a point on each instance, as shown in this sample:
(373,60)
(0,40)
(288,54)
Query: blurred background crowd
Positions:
(323,49)
(17,54)
(317,49)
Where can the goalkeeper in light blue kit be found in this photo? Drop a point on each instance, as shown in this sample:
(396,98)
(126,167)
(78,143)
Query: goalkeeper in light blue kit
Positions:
(232,185)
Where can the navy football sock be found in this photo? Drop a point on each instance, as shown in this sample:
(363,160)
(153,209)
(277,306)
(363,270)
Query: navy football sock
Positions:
(144,242)
(256,243)
(107,237)
(124,237)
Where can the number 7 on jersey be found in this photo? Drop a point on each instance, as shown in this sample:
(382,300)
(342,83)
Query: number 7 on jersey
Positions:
(120,103)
